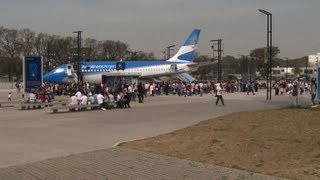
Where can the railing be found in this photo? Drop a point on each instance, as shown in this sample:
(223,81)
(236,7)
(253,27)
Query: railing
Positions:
(186,77)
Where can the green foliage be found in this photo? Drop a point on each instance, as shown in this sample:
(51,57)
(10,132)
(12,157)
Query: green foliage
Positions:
(299,62)
(259,53)
(260,57)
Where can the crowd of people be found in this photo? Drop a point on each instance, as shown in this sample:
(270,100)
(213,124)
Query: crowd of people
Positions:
(122,94)
(296,88)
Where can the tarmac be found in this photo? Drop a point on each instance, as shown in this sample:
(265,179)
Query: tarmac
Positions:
(37,144)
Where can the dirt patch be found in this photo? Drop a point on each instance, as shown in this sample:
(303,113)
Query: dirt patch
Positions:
(283,143)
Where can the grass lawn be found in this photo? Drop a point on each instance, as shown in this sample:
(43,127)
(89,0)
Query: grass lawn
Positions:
(283,142)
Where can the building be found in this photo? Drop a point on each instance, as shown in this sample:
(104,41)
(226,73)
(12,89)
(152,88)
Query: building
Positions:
(289,72)
(314,60)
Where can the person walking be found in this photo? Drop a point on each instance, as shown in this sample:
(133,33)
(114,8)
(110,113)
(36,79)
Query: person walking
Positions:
(313,92)
(219,94)
(140,92)
(294,95)
(249,88)
(9,96)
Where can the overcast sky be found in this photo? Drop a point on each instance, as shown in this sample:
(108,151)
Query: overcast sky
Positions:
(151,25)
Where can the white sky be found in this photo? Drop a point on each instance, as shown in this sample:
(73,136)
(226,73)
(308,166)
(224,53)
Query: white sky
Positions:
(151,25)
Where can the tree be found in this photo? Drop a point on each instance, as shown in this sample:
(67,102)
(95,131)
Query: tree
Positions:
(91,49)
(10,48)
(55,50)
(231,65)
(259,53)
(296,70)
(27,41)
(259,56)
(114,50)
(202,58)
(42,48)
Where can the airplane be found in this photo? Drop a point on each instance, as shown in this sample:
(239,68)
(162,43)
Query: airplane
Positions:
(92,71)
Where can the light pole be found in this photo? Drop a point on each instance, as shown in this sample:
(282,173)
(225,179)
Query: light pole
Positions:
(169,49)
(134,56)
(212,47)
(287,62)
(218,41)
(79,55)
(269,48)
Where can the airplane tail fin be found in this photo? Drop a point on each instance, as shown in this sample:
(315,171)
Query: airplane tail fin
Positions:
(187,51)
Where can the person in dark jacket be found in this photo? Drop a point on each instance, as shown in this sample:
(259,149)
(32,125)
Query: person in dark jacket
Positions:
(140,92)
(126,100)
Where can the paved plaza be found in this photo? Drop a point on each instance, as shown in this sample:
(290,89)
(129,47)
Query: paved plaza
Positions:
(83,138)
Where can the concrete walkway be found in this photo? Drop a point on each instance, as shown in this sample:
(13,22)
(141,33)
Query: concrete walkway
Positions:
(119,163)
(36,135)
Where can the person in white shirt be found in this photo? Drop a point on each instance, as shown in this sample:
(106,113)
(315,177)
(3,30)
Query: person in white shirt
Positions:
(111,97)
(84,99)
(146,89)
(9,96)
(151,89)
(120,99)
(78,95)
(90,98)
(130,88)
(32,97)
(100,99)
(219,94)
(73,100)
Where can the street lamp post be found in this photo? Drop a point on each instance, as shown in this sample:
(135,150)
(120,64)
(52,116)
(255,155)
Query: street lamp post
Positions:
(219,57)
(287,62)
(169,49)
(212,47)
(79,55)
(269,48)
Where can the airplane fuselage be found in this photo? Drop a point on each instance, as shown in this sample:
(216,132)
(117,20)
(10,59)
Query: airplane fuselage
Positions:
(92,71)
(137,68)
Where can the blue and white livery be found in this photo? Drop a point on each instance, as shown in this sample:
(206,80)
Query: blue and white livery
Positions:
(92,71)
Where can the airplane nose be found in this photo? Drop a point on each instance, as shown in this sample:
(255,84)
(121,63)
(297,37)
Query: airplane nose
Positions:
(47,77)
(56,75)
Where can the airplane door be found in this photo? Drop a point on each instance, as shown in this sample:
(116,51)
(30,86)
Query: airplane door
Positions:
(69,69)
(173,67)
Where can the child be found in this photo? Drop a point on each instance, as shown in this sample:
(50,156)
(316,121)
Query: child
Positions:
(22,97)
(9,96)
